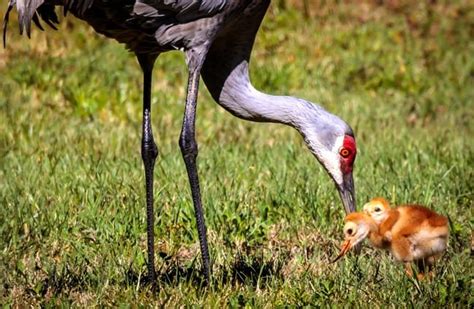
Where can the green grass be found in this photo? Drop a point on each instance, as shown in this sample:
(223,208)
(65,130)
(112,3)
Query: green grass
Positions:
(71,182)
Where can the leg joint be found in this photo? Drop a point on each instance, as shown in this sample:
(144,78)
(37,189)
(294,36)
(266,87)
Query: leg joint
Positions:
(149,150)
(188,145)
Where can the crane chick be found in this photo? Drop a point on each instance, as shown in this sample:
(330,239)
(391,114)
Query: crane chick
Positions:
(412,233)
(385,217)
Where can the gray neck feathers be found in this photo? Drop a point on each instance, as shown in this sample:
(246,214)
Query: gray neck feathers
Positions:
(239,97)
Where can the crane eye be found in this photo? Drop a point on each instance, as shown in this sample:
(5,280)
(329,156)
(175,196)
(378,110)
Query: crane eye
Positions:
(344,152)
(349,232)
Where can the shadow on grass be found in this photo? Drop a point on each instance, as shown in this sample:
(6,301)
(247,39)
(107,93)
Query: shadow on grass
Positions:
(172,275)
(254,271)
(54,282)
(248,270)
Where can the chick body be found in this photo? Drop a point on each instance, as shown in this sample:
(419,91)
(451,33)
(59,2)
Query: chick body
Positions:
(410,232)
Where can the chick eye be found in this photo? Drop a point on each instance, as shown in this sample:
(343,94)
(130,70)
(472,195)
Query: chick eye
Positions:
(377,209)
(344,152)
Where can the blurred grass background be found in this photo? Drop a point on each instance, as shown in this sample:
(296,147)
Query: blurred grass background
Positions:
(71,183)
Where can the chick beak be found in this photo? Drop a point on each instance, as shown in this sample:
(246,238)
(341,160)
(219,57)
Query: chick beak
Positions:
(346,246)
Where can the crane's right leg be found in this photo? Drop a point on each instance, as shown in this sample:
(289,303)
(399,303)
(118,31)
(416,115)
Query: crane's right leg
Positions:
(149,154)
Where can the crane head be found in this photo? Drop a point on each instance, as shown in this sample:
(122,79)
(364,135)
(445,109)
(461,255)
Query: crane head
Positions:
(356,229)
(333,144)
(378,208)
(347,153)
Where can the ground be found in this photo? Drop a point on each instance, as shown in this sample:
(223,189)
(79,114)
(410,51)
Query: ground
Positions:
(71,181)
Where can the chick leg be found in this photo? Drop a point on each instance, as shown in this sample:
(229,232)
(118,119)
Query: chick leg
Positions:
(408,269)
(422,266)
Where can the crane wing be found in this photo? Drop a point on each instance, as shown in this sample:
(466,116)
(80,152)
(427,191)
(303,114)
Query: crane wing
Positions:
(32,10)
(26,11)
(182,10)
(148,13)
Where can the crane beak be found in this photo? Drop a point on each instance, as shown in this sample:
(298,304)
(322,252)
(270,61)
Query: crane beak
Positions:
(347,193)
(346,246)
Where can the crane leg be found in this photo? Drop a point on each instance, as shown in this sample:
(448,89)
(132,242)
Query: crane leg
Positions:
(149,152)
(189,150)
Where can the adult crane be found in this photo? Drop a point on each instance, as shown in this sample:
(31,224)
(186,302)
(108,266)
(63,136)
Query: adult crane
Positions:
(217,37)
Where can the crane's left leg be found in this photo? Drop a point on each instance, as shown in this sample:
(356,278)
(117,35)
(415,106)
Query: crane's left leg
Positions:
(149,154)
(189,149)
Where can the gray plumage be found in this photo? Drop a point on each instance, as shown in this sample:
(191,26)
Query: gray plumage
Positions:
(217,37)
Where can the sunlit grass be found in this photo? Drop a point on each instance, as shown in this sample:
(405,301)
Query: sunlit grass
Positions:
(71,179)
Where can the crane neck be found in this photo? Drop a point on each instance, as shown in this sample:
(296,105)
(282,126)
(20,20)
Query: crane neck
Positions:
(239,97)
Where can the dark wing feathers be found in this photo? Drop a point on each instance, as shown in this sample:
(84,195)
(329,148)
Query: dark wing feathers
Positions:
(37,22)
(182,10)
(31,10)
(48,15)
(5,22)
(78,6)
(167,11)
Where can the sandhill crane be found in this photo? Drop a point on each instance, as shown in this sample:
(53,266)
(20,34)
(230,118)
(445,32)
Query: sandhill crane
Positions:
(217,37)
